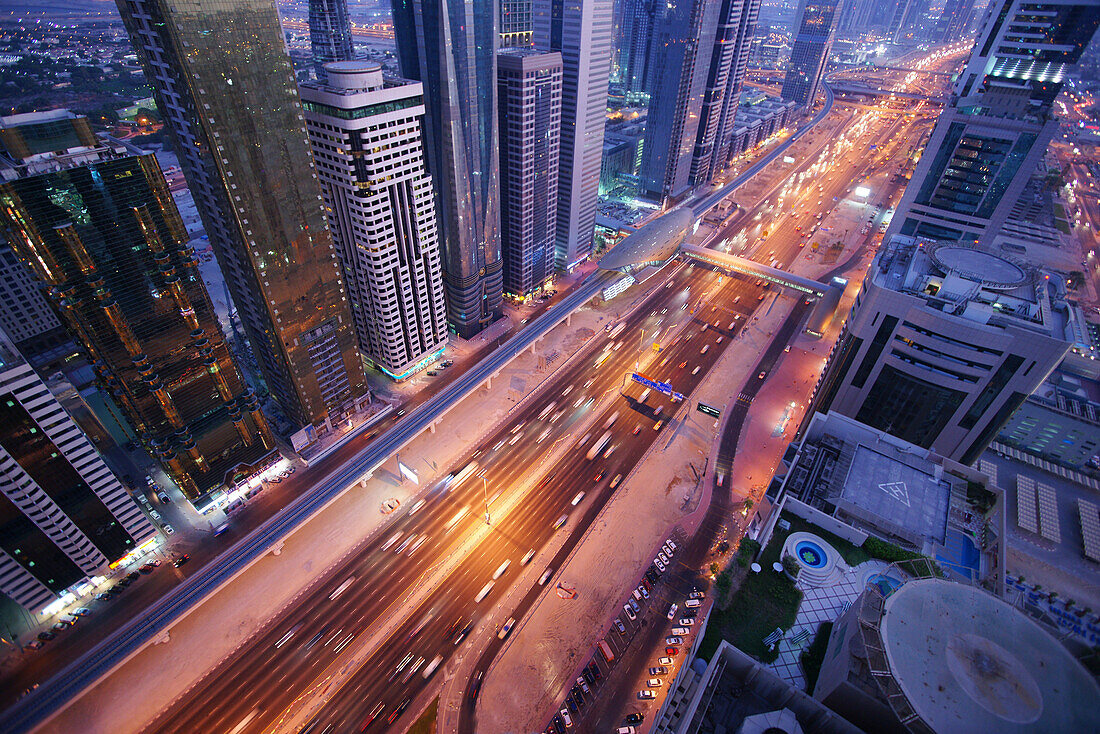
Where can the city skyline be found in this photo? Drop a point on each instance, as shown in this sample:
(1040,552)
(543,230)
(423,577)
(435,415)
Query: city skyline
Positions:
(514,365)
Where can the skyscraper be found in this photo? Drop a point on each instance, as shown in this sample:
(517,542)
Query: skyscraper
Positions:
(515,23)
(329,33)
(986,144)
(530,89)
(582,31)
(64,516)
(728,63)
(100,229)
(951,331)
(636,29)
(954,20)
(682,48)
(226,91)
(813,38)
(723,150)
(450,46)
(368,144)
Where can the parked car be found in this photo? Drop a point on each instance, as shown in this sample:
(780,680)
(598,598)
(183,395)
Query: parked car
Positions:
(674,640)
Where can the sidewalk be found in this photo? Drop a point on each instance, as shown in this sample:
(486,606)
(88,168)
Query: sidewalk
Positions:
(160,673)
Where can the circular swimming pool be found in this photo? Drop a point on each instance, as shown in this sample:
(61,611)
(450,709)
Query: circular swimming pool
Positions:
(810,553)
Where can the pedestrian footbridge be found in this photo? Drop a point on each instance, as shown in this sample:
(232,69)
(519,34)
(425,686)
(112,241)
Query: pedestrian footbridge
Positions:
(827,294)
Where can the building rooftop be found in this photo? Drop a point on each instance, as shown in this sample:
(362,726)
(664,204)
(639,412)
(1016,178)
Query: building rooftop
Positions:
(43,142)
(907,491)
(968,662)
(983,285)
(847,468)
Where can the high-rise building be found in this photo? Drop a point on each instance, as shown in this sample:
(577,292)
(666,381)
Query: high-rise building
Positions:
(368,144)
(582,31)
(908,24)
(450,47)
(529,96)
(226,91)
(329,33)
(986,144)
(952,330)
(681,55)
(729,61)
(954,20)
(635,31)
(515,23)
(64,516)
(815,25)
(101,230)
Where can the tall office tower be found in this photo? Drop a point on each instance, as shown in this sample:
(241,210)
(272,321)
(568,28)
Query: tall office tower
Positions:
(813,38)
(635,31)
(64,516)
(951,330)
(907,26)
(529,86)
(944,342)
(954,20)
(102,232)
(987,143)
(729,61)
(368,144)
(742,42)
(329,33)
(683,42)
(515,23)
(226,91)
(582,31)
(450,46)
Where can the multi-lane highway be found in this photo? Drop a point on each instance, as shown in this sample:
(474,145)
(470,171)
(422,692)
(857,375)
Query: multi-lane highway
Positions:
(446,535)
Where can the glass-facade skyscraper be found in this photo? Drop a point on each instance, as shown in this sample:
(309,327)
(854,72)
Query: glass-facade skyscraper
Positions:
(954,326)
(226,91)
(515,23)
(102,233)
(582,31)
(815,25)
(681,56)
(329,33)
(450,46)
(728,64)
(986,144)
(530,89)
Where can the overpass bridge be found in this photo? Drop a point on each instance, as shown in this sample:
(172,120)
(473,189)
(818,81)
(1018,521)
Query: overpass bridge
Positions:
(827,294)
(841,88)
(926,72)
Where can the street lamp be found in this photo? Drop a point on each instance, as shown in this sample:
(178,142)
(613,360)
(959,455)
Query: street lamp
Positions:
(485,495)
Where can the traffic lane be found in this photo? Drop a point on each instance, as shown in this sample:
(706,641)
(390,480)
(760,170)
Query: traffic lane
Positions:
(581,527)
(274,633)
(84,670)
(569,489)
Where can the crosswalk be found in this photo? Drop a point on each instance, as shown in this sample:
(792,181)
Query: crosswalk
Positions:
(745,399)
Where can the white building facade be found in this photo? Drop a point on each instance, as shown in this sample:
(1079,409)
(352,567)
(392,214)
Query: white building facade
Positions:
(367,138)
(64,515)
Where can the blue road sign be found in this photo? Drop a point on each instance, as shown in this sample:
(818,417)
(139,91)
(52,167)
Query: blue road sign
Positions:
(664,387)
